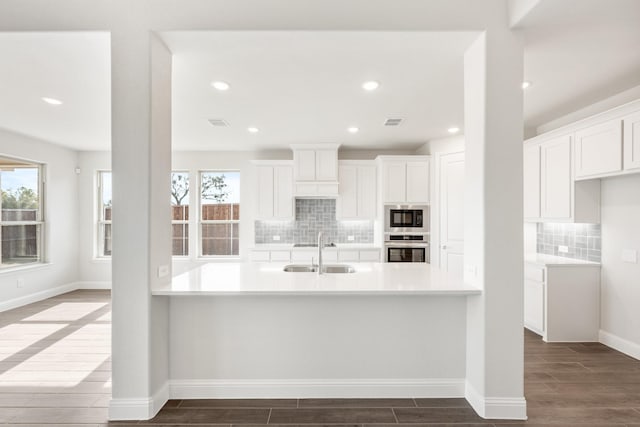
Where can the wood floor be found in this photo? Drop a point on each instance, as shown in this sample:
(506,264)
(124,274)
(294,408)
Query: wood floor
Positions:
(55,369)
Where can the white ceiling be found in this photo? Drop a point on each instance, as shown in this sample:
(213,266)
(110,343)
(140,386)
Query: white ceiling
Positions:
(73,67)
(305,87)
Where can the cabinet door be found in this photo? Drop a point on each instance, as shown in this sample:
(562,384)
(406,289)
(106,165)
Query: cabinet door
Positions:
(367,190)
(348,187)
(534,305)
(394,181)
(417,182)
(305,165)
(556,181)
(632,142)
(265,188)
(531,181)
(326,165)
(283,198)
(370,255)
(598,149)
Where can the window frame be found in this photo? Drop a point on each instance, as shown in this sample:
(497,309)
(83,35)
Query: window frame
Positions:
(101,223)
(39,222)
(184,222)
(202,222)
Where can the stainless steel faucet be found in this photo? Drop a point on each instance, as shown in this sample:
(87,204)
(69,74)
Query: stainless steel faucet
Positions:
(320,245)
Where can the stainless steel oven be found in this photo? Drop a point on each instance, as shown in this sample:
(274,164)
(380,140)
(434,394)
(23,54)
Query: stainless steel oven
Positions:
(406,248)
(406,219)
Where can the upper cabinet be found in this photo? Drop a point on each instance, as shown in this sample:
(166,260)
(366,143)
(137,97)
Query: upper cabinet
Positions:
(315,169)
(274,190)
(550,191)
(598,149)
(404,179)
(357,199)
(531,181)
(631,125)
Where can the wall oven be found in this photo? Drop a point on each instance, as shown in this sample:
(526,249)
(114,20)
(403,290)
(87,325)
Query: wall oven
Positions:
(406,248)
(406,219)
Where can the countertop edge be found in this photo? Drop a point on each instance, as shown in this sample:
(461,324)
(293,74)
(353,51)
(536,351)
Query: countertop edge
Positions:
(461,292)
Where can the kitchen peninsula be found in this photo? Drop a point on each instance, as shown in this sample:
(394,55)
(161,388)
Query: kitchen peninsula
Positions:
(252,330)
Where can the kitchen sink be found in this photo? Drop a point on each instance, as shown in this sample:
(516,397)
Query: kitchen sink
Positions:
(298,268)
(329,269)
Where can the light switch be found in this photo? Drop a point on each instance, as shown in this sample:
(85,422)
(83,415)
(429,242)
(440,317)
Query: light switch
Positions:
(563,249)
(163,270)
(277,238)
(351,238)
(630,255)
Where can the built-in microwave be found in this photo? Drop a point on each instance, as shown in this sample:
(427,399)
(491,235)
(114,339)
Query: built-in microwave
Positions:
(406,219)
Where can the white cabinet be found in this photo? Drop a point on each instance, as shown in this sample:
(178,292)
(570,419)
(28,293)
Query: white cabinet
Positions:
(358,189)
(405,179)
(315,169)
(562,302)
(556,179)
(274,190)
(598,149)
(276,255)
(531,181)
(631,125)
(557,197)
(309,255)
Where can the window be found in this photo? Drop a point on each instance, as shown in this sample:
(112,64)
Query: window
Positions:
(180,213)
(220,213)
(22,222)
(104,213)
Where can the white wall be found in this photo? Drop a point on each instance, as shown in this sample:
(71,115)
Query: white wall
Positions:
(620,285)
(61,216)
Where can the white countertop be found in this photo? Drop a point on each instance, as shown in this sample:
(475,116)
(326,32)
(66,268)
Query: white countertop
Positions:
(250,278)
(556,261)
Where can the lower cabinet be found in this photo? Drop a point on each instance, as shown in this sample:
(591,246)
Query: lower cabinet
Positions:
(306,256)
(562,302)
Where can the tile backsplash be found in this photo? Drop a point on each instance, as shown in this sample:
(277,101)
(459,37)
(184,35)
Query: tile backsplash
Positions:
(312,216)
(582,240)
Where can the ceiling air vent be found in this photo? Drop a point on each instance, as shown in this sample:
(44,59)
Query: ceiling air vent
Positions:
(395,121)
(218,122)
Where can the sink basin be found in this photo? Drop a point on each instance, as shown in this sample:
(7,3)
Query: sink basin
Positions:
(338,269)
(298,268)
(329,269)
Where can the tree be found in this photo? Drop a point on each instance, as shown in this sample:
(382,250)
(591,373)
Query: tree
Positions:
(213,188)
(179,188)
(22,198)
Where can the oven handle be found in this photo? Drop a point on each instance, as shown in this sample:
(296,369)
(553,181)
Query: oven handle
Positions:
(406,245)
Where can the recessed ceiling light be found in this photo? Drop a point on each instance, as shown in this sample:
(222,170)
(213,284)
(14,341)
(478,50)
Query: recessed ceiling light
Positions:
(526,84)
(252,129)
(52,101)
(353,129)
(220,85)
(453,130)
(370,85)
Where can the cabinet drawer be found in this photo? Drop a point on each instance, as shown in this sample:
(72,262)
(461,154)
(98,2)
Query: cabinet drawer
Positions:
(280,255)
(535,273)
(259,256)
(349,255)
(370,255)
(303,256)
(330,256)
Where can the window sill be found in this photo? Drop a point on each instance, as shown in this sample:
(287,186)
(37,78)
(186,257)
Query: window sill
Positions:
(24,268)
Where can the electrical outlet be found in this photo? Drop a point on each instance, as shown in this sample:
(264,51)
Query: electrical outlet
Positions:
(351,238)
(20,282)
(563,249)
(630,256)
(163,270)
(276,238)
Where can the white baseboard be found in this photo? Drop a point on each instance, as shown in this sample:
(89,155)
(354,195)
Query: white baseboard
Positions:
(622,345)
(233,389)
(496,408)
(138,409)
(94,285)
(37,296)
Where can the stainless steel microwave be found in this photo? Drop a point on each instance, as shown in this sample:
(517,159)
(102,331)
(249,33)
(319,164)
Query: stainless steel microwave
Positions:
(406,219)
